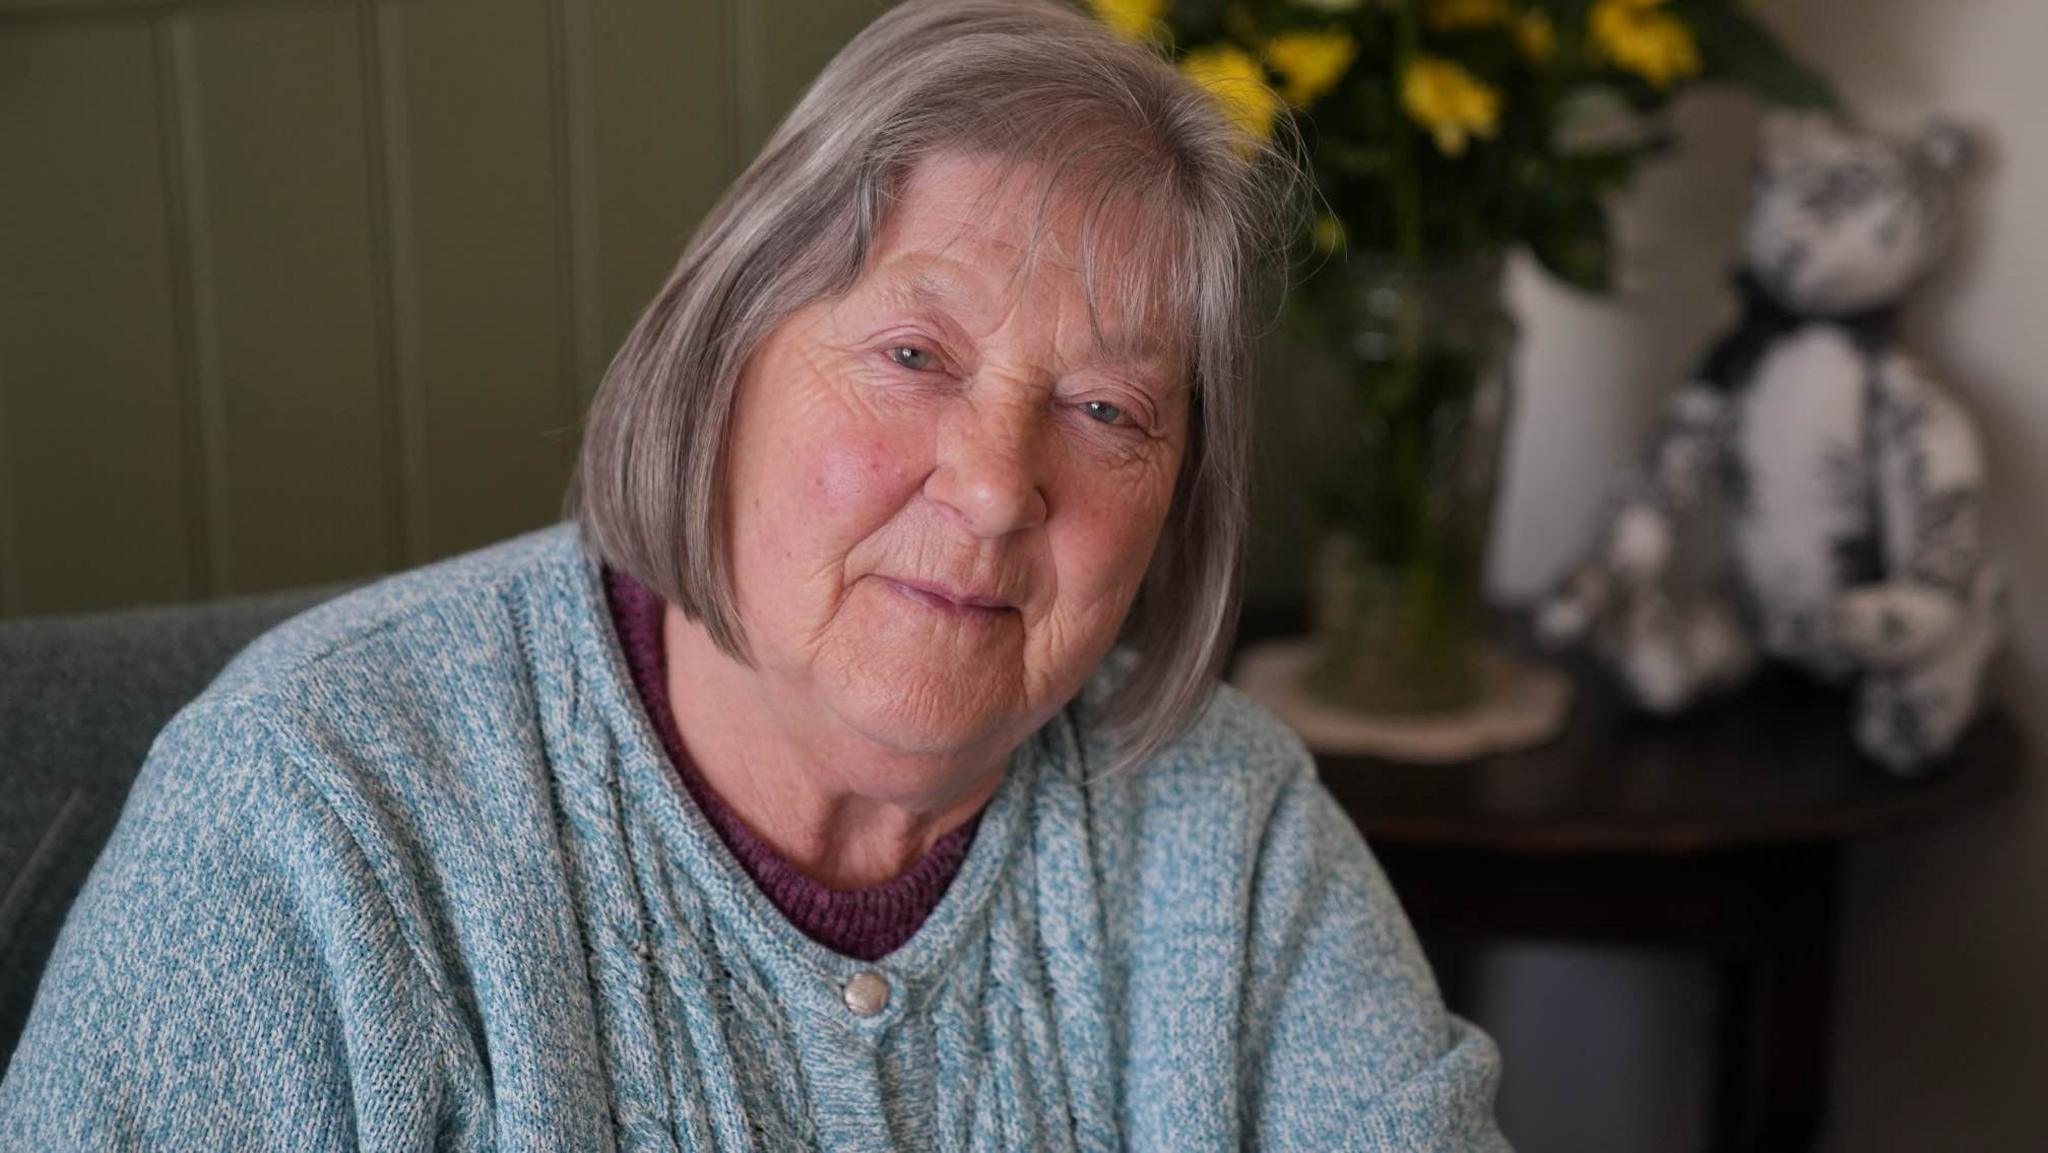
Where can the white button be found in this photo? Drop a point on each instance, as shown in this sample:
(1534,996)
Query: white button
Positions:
(866,993)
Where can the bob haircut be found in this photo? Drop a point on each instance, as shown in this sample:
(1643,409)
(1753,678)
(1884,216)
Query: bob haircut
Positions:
(1149,158)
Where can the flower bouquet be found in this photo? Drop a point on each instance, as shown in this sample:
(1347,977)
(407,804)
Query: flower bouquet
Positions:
(1441,134)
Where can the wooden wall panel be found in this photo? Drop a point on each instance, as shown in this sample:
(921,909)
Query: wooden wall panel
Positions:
(297,290)
(493,276)
(285,273)
(664,146)
(782,45)
(93,486)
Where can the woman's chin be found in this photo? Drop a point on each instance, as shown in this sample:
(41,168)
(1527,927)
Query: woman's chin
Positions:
(924,719)
(927,704)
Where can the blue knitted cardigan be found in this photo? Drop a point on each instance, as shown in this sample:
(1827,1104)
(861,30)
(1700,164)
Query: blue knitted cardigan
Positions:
(413,874)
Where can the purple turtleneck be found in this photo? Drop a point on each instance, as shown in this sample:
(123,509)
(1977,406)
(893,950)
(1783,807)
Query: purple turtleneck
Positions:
(865,923)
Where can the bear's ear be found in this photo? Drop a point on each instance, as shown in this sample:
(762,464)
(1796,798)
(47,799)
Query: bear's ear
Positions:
(1944,146)
(1785,133)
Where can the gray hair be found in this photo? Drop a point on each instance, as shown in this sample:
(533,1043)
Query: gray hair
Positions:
(1117,128)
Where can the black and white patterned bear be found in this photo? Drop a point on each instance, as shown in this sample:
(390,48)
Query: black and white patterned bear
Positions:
(1812,495)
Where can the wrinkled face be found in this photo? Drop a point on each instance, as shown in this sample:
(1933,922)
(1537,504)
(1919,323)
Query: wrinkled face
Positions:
(944,488)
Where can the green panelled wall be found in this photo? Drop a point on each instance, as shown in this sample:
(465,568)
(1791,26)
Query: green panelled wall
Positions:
(293,291)
(299,290)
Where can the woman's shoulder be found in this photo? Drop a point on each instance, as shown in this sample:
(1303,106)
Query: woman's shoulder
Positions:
(412,676)
(1231,737)
(1224,867)
(410,614)
(1221,779)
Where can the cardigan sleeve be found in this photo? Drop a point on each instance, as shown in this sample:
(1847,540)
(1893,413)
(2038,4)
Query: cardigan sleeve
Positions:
(1349,1043)
(230,976)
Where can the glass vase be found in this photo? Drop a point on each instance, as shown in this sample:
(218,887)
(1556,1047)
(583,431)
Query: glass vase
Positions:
(1398,592)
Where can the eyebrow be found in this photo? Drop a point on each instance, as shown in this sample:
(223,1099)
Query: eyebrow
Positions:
(1126,346)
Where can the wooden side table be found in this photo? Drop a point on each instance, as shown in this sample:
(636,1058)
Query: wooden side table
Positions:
(1719,833)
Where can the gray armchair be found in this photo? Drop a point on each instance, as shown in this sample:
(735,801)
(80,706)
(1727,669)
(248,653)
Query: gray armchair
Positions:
(81,699)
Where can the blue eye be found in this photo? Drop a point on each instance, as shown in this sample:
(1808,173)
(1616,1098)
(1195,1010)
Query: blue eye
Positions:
(1102,411)
(911,357)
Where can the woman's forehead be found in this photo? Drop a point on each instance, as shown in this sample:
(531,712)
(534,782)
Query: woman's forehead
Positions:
(967,230)
(1000,206)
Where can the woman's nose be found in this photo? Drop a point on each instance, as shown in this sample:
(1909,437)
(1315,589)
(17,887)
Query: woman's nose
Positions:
(988,474)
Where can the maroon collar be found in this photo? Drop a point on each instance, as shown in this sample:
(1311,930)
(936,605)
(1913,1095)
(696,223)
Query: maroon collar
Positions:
(867,923)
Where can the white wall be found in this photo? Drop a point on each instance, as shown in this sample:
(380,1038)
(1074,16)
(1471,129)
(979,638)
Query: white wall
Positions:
(1943,1008)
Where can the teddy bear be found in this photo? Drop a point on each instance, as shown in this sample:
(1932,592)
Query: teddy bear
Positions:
(1812,494)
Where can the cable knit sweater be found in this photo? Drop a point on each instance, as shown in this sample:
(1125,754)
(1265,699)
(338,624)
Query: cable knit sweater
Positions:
(414,874)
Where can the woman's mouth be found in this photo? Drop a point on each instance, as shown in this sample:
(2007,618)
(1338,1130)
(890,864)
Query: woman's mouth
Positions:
(966,605)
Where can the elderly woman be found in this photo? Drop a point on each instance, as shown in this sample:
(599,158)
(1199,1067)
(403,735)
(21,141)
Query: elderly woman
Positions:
(794,796)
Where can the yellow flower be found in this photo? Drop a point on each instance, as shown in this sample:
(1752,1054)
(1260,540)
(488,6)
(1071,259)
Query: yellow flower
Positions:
(1641,38)
(1132,19)
(1463,15)
(1237,80)
(1449,101)
(1535,36)
(1309,63)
